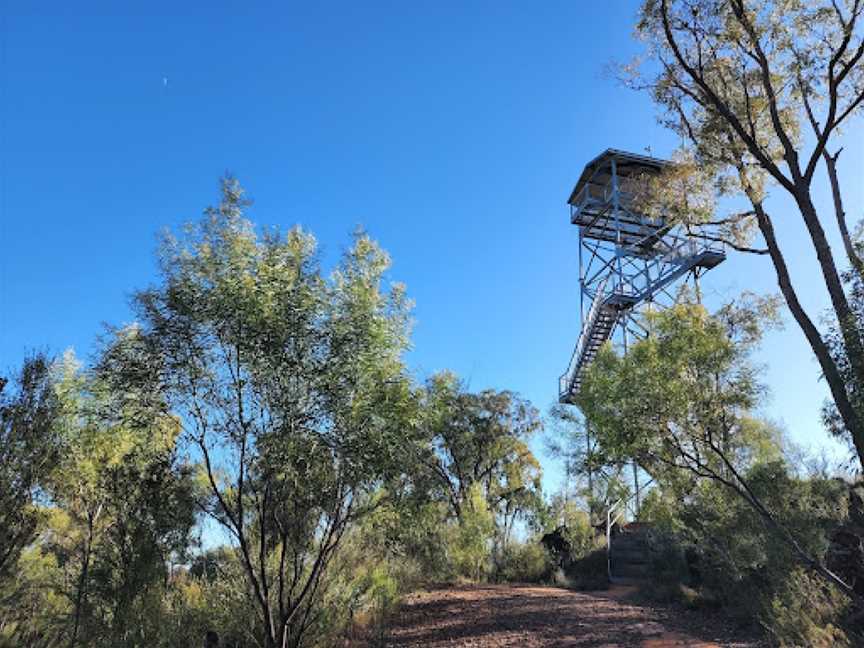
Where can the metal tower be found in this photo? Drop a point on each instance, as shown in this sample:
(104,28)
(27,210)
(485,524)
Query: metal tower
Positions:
(626,257)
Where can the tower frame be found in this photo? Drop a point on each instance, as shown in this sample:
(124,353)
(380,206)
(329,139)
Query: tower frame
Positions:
(627,258)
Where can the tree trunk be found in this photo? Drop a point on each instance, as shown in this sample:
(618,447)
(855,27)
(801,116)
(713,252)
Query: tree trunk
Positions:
(839,302)
(840,213)
(84,577)
(829,368)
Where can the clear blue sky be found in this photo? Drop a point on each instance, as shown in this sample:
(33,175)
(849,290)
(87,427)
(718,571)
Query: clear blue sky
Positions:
(453,132)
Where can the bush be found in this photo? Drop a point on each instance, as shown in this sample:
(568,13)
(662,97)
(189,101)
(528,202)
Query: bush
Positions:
(667,559)
(524,563)
(805,611)
(472,541)
(573,538)
(591,572)
(213,600)
(713,548)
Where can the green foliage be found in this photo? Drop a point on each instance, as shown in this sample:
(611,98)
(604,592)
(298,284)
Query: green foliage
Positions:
(590,572)
(805,612)
(472,536)
(759,93)
(716,543)
(29,449)
(730,517)
(667,563)
(659,507)
(271,399)
(574,527)
(589,473)
(119,504)
(381,589)
(213,600)
(688,383)
(575,550)
(33,607)
(476,477)
(524,562)
(290,388)
(479,439)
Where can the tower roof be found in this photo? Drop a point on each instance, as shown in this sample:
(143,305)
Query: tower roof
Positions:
(599,169)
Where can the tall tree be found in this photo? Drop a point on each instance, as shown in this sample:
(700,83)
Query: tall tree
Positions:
(121,507)
(834,340)
(481,438)
(760,92)
(290,389)
(29,450)
(598,476)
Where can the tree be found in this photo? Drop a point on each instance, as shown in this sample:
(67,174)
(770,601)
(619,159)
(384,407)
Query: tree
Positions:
(834,340)
(115,508)
(760,92)
(471,549)
(480,439)
(569,532)
(29,450)
(290,390)
(680,403)
(599,477)
(121,507)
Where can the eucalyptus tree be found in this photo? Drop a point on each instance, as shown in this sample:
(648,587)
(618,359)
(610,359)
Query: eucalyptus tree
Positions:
(834,341)
(480,438)
(290,389)
(760,93)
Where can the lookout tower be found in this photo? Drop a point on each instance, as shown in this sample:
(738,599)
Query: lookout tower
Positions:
(626,257)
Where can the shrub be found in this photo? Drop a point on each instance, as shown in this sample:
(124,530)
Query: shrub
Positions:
(471,545)
(591,572)
(524,563)
(573,538)
(667,560)
(714,542)
(805,612)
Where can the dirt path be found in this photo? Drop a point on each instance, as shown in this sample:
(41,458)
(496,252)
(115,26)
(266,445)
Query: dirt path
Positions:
(494,616)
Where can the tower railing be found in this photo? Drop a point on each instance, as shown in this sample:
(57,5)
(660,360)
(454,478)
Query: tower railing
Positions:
(614,514)
(682,255)
(601,194)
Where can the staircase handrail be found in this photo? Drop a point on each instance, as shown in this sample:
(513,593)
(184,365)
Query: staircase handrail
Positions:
(573,366)
(613,515)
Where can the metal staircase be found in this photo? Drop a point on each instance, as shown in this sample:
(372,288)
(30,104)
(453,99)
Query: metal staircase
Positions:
(679,256)
(614,299)
(598,327)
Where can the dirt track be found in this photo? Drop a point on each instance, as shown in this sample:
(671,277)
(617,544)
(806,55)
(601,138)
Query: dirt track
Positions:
(494,616)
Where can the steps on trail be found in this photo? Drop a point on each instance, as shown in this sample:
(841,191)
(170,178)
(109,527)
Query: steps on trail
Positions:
(629,554)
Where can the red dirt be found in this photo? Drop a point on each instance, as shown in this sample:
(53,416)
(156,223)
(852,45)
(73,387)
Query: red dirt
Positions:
(493,616)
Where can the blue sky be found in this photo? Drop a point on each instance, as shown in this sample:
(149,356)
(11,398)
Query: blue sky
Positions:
(453,132)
